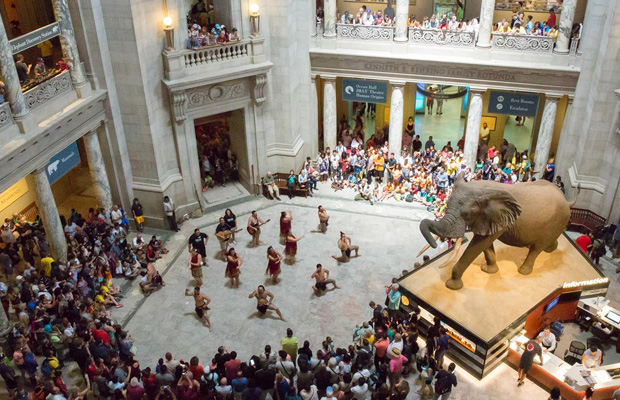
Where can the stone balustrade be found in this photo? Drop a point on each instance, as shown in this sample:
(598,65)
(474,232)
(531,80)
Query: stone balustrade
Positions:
(48,90)
(507,41)
(441,37)
(211,59)
(365,32)
(6,117)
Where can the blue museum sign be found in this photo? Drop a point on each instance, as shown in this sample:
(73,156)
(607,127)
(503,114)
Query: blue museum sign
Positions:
(364,91)
(62,163)
(525,105)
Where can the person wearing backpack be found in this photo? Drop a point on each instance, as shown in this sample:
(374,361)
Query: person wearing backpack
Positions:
(50,365)
(444,382)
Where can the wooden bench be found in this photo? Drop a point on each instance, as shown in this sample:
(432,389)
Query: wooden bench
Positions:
(280,180)
(582,219)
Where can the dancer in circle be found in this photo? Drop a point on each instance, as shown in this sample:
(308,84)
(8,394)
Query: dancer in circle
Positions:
(285,225)
(264,301)
(254,224)
(321,276)
(273,267)
(201,301)
(323,220)
(233,268)
(291,247)
(195,266)
(345,246)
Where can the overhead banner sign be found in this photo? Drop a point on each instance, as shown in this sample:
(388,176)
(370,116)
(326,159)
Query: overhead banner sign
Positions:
(34,38)
(525,105)
(62,163)
(364,91)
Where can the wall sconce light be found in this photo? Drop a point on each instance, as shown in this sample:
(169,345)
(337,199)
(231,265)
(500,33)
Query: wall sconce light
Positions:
(255,18)
(169,33)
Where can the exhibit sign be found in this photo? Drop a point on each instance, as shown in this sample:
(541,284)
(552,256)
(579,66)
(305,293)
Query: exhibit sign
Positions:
(62,163)
(457,337)
(364,91)
(13,193)
(590,282)
(33,38)
(525,105)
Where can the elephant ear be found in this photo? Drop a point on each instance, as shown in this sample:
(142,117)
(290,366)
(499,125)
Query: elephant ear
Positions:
(490,211)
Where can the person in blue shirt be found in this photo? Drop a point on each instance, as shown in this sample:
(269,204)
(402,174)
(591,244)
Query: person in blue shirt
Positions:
(442,179)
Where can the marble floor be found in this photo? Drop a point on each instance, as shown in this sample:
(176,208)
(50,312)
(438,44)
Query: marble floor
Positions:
(389,239)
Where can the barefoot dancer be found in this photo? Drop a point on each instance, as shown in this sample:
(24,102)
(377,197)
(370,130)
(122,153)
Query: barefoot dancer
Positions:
(323,220)
(254,223)
(262,303)
(233,267)
(344,244)
(285,225)
(291,247)
(273,267)
(321,276)
(195,265)
(202,305)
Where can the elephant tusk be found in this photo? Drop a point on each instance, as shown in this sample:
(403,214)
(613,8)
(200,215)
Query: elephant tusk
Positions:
(426,247)
(455,252)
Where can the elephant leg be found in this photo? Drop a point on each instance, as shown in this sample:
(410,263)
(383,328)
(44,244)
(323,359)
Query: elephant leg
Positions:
(552,247)
(491,265)
(477,245)
(528,264)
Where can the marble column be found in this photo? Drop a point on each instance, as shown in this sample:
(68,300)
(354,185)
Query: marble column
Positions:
(8,74)
(396,118)
(98,171)
(330,117)
(566,26)
(67,41)
(5,327)
(314,115)
(402,14)
(329,23)
(545,135)
(472,132)
(313,18)
(487,9)
(49,215)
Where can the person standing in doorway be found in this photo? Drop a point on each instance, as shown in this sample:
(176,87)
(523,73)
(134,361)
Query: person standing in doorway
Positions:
(170,211)
(198,241)
(138,214)
(219,173)
(532,348)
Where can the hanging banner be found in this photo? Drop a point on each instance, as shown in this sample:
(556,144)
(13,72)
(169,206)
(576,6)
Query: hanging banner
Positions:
(525,105)
(442,96)
(364,91)
(33,38)
(13,193)
(62,163)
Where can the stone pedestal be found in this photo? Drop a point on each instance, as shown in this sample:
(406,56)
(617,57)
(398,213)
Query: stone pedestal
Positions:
(487,9)
(329,25)
(396,118)
(8,75)
(472,133)
(330,117)
(49,215)
(402,13)
(545,135)
(566,26)
(98,171)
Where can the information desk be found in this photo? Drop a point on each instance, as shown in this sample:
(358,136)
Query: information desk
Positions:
(555,372)
(599,307)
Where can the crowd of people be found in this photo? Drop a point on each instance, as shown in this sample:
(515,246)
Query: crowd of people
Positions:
(58,308)
(202,30)
(218,164)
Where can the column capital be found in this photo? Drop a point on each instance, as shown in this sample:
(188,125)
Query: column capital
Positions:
(397,84)
(313,77)
(329,78)
(617,92)
(553,96)
(477,91)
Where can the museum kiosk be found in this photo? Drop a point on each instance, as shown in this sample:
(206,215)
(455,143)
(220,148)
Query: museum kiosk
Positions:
(493,315)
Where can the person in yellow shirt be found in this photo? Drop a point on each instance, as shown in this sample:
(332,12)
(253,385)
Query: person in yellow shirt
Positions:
(46,265)
(451,167)
(379,166)
(47,50)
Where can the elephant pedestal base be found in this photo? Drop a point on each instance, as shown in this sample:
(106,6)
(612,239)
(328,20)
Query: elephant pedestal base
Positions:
(491,307)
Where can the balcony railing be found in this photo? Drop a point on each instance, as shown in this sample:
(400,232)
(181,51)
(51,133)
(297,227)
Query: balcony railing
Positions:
(365,32)
(539,44)
(441,37)
(6,117)
(48,90)
(181,63)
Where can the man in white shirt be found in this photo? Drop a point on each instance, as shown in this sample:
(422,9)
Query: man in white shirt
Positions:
(329,394)
(169,210)
(171,363)
(367,18)
(592,357)
(283,366)
(71,228)
(117,215)
(548,339)
(224,390)
(360,391)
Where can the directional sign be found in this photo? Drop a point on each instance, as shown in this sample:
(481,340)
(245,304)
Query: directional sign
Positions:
(62,163)
(33,38)
(509,103)
(364,91)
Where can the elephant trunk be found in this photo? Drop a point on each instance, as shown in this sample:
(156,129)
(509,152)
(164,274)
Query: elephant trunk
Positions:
(426,232)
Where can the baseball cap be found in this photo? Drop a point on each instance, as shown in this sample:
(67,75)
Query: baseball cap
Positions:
(329,391)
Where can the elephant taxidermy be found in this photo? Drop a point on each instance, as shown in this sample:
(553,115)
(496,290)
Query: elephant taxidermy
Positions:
(528,214)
